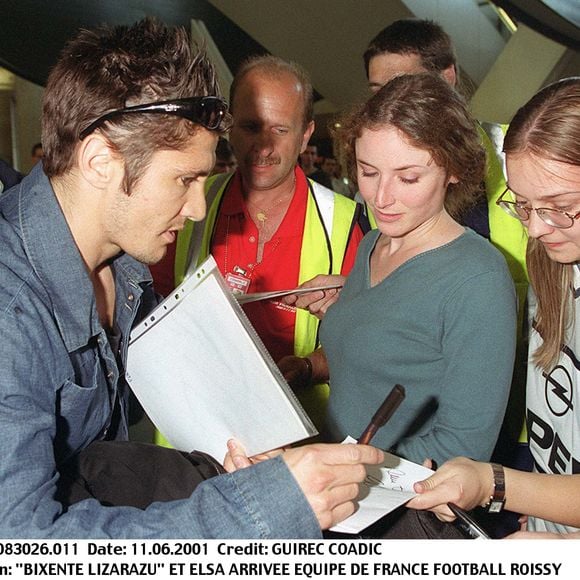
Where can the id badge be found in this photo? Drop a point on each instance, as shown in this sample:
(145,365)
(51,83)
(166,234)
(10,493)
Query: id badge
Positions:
(238,283)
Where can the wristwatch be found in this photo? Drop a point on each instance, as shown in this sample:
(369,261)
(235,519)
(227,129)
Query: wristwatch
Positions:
(497,500)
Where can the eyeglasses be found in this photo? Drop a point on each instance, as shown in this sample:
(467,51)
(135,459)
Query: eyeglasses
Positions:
(556,218)
(205,111)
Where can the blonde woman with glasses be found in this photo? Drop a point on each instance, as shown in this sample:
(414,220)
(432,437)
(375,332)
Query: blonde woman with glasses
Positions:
(543,164)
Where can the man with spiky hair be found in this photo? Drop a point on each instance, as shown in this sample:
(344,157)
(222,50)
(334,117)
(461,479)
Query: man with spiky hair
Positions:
(131,118)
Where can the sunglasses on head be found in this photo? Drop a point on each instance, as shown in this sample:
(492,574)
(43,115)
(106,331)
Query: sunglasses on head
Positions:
(205,111)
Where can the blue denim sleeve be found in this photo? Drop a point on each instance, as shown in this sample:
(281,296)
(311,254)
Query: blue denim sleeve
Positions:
(263,501)
(260,502)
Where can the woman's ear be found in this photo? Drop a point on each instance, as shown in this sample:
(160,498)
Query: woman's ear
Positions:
(450,75)
(97,163)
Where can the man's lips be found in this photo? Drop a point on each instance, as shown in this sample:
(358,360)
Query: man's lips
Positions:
(265,163)
(171,234)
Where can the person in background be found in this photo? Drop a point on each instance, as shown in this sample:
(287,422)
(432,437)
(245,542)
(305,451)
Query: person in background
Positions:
(269,227)
(131,118)
(8,176)
(225,160)
(308,163)
(36,153)
(331,167)
(308,159)
(543,169)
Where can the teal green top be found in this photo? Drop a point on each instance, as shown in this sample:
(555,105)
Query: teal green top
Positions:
(443,325)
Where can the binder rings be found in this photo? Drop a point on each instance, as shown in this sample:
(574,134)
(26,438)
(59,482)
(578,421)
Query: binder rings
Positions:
(203,375)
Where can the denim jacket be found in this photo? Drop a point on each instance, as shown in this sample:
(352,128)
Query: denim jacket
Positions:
(58,386)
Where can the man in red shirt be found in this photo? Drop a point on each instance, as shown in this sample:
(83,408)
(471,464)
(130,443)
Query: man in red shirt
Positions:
(268,226)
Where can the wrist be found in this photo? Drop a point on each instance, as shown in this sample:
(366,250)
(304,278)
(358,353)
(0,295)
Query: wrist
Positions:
(495,499)
(487,485)
(307,372)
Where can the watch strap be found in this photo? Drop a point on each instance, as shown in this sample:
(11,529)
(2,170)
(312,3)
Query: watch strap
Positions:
(497,499)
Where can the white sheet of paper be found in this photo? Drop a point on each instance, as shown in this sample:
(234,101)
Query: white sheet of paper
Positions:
(386,487)
(203,375)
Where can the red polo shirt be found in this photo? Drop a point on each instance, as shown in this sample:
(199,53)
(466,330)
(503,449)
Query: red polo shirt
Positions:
(235,243)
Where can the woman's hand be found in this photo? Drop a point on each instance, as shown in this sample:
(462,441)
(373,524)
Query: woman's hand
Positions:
(461,481)
(318,302)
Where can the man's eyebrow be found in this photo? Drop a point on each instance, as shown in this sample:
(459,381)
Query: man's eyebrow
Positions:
(193,171)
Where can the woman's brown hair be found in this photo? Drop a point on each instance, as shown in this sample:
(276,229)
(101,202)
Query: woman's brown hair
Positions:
(432,116)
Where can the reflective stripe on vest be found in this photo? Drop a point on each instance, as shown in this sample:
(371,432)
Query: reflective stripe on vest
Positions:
(329,221)
(507,233)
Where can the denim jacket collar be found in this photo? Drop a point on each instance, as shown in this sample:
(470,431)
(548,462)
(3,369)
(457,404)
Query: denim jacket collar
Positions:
(57,262)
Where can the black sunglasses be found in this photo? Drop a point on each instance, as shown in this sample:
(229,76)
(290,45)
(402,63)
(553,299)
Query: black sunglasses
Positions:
(205,111)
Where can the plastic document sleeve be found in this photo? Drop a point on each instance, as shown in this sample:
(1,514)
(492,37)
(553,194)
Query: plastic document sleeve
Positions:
(203,375)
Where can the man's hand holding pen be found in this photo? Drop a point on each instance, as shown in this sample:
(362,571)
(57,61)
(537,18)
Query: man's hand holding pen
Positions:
(328,474)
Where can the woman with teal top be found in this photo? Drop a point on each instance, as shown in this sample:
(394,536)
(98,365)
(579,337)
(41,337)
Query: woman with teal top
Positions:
(429,304)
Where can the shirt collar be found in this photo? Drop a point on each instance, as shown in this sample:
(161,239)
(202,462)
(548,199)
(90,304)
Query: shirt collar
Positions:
(233,203)
(57,262)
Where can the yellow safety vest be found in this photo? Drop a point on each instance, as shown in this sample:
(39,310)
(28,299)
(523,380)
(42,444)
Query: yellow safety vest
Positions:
(510,237)
(507,234)
(330,219)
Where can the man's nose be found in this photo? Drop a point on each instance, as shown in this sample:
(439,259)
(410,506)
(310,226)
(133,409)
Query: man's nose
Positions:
(195,205)
(264,143)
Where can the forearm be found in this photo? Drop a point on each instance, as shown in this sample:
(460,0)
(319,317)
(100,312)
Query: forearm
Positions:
(471,483)
(547,496)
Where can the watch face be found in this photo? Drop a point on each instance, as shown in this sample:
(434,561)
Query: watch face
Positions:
(495,506)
